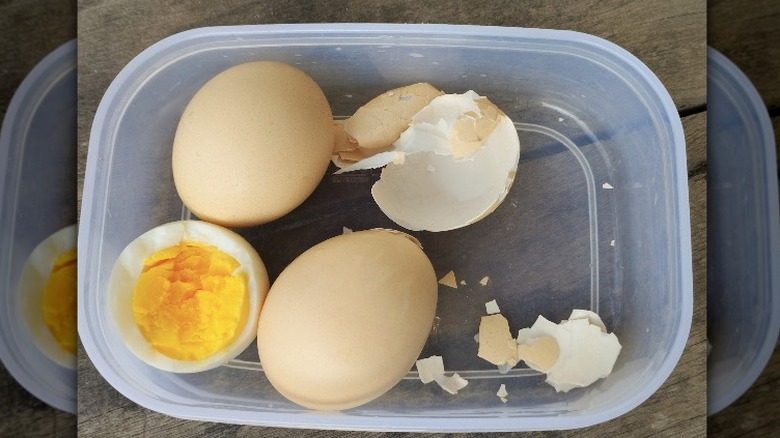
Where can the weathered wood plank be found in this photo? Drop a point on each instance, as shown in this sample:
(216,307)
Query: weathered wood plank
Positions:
(746,33)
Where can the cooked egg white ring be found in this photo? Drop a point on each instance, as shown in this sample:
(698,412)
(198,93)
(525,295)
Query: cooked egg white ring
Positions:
(127,269)
(32,281)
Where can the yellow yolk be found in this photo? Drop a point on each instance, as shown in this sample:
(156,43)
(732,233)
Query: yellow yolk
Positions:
(188,302)
(59,301)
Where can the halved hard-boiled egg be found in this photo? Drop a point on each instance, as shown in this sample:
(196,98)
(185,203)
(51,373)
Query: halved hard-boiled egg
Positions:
(47,296)
(186,295)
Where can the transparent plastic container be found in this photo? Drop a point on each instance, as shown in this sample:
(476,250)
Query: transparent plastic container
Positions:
(588,114)
(38,189)
(743,234)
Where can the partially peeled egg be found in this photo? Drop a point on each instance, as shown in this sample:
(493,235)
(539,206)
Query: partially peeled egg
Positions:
(186,295)
(450,165)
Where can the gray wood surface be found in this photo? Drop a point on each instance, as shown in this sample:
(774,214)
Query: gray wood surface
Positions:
(748,37)
(668,36)
(746,33)
(30,30)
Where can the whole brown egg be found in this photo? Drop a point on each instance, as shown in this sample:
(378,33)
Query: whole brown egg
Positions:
(347,319)
(252,144)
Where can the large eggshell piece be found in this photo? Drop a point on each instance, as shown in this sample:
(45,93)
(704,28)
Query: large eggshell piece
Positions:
(347,319)
(452,166)
(252,144)
(127,269)
(432,191)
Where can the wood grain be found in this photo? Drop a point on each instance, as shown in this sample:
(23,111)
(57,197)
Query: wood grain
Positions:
(30,30)
(746,33)
(668,36)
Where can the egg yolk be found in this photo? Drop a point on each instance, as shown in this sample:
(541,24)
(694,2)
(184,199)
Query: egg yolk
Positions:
(59,301)
(189,303)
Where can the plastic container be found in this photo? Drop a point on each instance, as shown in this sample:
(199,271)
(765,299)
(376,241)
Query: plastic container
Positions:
(38,189)
(743,234)
(588,114)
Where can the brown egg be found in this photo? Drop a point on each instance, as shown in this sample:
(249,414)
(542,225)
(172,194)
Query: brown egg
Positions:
(252,144)
(347,319)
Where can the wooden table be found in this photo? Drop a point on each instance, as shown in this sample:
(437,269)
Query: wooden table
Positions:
(747,36)
(30,30)
(668,36)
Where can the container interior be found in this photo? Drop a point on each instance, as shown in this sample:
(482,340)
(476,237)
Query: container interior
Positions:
(592,221)
(743,234)
(38,192)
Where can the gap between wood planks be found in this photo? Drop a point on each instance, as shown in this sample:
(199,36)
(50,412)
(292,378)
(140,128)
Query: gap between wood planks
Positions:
(692,110)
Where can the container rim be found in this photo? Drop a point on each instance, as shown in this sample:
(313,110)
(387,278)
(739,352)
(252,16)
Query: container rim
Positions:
(19,113)
(441,424)
(721,68)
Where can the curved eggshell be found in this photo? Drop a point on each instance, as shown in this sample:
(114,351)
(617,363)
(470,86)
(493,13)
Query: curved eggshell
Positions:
(252,144)
(347,319)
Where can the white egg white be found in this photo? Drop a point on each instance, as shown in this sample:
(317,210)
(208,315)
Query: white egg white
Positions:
(127,269)
(32,280)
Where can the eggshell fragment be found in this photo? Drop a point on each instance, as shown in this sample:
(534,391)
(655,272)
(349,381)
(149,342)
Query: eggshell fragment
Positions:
(592,318)
(540,354)
(345,159)
(502,393)
(449,280)
(379,123)
(334,336)
(496,344)
(505,367)
(342,142)
(491,307)
(374,161)
(430,368)
(453,383)
(585,352)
